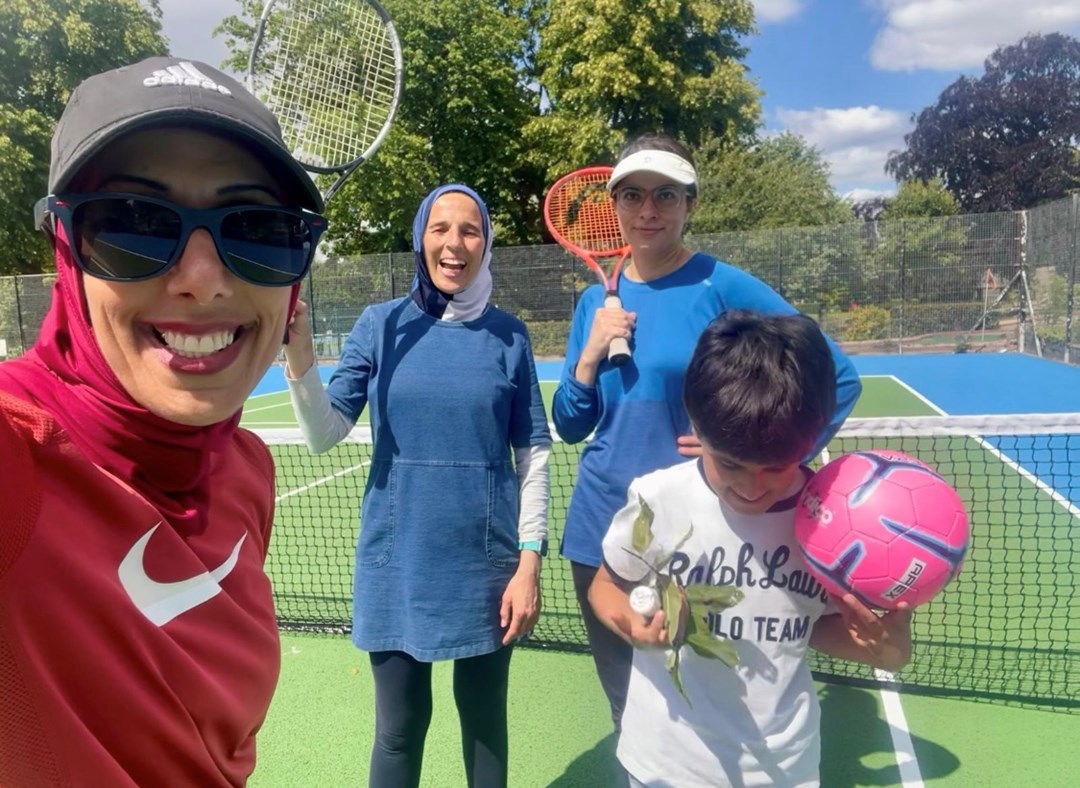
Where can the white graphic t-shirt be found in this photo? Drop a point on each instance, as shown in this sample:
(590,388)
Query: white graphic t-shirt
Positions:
(752,725)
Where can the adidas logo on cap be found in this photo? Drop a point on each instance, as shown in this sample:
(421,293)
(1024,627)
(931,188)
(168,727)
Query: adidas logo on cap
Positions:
(184,74)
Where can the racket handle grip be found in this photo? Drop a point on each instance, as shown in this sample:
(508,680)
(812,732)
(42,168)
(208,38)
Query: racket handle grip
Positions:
(619,349)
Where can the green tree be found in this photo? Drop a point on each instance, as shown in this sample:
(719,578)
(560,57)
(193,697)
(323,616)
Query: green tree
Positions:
(921,198)
(623,67)
(46,49)
(463,107)
(1006,140)
(507,95)
(24,151)
(779,182)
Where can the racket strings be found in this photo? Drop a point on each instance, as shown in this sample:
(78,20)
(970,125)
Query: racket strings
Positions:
(332,79)
(581,211)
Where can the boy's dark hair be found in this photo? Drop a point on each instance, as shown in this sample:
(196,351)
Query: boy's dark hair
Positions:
(662,142)
(761,388)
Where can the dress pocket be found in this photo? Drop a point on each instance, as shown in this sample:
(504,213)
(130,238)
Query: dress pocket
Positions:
(376,544)
(435,515)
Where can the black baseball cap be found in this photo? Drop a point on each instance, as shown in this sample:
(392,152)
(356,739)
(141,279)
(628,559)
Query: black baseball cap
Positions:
(162,91)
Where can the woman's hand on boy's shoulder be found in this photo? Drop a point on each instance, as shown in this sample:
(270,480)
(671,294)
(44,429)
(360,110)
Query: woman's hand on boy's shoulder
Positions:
(688,445)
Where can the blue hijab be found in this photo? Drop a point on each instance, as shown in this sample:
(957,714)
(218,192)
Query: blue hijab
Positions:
(467,304)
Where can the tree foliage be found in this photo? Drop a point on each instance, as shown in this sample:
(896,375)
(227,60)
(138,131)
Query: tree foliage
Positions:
(507,95)
(1005,140)
(779,182)
(651,65)
(918,198)
(463,107)
(46,49)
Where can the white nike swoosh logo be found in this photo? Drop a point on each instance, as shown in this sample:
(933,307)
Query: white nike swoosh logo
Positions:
(162,602)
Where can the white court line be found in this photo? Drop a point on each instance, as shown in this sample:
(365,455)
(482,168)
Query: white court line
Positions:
(263,407)
(322,481)
(1005,459)
(910,775)
(268,394)
(1069,506)
(916,394)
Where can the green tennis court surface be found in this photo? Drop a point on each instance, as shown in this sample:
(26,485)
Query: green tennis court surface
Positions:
(999,636)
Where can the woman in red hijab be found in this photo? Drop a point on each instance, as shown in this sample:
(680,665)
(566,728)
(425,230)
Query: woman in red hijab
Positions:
(138,644)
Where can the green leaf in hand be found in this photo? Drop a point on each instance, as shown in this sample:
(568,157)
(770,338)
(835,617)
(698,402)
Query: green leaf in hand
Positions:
(710,647)
(712,599)
(676,677)
(672,602)
(643,536)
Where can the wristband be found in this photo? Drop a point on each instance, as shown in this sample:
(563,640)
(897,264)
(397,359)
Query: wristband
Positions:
(536,545)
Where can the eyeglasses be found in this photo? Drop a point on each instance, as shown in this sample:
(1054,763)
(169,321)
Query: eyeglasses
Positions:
(665,198)
(130,237)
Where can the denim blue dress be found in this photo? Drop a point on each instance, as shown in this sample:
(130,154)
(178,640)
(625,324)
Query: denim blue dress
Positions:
(447,401)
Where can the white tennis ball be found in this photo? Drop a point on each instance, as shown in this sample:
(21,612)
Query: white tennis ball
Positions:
(645,601)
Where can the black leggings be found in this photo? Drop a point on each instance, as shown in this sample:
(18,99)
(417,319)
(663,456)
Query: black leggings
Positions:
(403,713)
(612,655)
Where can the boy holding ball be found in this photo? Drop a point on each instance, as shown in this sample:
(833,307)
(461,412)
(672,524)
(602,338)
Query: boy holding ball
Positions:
(759,390)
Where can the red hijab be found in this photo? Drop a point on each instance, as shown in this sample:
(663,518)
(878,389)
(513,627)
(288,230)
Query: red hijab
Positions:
(66,375)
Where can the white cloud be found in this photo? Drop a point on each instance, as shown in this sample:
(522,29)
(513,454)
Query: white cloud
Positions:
(854,141)
(952,35)
(189,25)
(767,11)
(861,195)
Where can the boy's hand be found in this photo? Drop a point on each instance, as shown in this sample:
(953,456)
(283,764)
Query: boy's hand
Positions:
(648,633)
(886,638)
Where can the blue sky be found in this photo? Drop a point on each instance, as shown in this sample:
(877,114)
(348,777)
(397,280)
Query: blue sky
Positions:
(845,74)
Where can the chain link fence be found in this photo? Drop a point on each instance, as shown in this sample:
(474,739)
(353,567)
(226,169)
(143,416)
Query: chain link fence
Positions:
(982,282)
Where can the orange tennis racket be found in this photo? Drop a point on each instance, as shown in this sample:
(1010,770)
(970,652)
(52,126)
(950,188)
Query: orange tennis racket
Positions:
(580,215)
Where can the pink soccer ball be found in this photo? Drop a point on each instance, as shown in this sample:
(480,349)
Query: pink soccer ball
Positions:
(883,526)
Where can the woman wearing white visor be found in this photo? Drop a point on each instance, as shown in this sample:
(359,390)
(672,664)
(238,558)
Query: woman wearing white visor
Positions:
(634,412)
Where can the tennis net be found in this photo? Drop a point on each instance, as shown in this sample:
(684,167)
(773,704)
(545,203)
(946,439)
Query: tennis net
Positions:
(1008,626)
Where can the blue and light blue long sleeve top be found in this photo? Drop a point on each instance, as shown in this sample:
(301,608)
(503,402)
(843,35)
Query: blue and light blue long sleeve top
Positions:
(635,412)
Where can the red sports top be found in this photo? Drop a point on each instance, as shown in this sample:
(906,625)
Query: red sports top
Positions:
(131,652)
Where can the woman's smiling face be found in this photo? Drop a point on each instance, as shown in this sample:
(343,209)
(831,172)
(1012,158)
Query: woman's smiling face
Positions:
(189,345)
(454,242)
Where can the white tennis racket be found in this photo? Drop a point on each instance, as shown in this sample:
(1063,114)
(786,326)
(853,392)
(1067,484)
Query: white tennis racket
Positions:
(331,72)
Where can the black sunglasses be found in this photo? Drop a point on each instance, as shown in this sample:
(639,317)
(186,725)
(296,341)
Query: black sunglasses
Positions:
(130,237)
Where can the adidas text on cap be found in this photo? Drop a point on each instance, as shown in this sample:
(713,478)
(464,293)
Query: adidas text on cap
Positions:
(161,91)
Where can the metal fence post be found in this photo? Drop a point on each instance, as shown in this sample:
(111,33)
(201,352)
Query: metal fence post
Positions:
(1070,299)
(1021,318)
(780,261)
(903,292)
(19,316)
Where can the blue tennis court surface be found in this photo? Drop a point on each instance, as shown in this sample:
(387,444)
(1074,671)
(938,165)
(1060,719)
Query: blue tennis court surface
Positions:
(983,383)
(948,384)
(957,384)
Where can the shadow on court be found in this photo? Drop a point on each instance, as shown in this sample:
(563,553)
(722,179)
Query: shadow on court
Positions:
(597,768)
(857,748)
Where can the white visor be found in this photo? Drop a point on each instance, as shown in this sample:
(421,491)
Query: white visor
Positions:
(659,161)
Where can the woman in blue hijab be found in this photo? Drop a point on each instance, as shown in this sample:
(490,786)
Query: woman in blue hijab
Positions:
(454,518)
